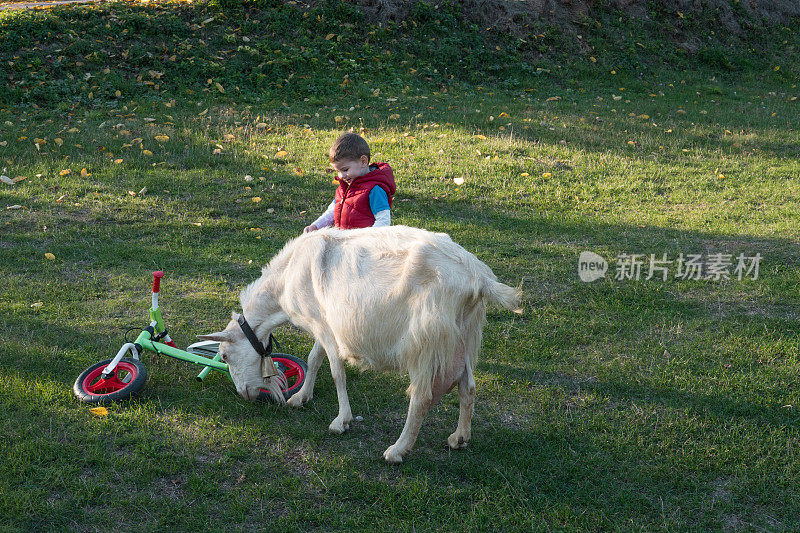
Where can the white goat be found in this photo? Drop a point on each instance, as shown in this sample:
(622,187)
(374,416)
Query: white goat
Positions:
(396,298)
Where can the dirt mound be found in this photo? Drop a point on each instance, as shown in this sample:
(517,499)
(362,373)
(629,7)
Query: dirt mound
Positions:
(515,15)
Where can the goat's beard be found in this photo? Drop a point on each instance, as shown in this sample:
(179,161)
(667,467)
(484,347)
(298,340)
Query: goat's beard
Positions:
(274,386)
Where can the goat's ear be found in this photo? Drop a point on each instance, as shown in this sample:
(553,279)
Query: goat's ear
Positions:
(220,336)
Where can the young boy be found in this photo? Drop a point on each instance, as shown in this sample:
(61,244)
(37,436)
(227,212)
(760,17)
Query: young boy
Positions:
(365,191)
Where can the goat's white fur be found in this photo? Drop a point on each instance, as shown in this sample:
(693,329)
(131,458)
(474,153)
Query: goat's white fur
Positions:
(392,298)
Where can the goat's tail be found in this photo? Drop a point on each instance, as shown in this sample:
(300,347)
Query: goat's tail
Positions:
(496,293)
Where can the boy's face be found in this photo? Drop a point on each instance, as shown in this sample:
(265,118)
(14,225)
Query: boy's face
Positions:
(350,169)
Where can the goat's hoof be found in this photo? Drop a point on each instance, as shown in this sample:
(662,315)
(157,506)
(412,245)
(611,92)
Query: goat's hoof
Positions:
(392,456)
(339,426)
(297,401)
(456,441)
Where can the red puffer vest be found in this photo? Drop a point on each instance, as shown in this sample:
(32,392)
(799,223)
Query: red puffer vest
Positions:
(352,201)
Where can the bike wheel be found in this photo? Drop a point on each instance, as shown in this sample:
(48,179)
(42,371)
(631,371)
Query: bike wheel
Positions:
(127,379)
(294,369)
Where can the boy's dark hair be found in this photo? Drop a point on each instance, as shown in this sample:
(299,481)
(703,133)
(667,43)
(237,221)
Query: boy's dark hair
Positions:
(349,146)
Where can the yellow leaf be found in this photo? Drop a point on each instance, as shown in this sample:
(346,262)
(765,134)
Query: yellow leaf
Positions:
(219,87)
(85,173)
(37,305)
(644,117)
(117,93)
(503,115)
(394,116)
(721,177)
(99,411)
(40,141)
(482,137)
(162,138)
(49,256)
(64,172)
(547,175)
(330,36)
(117,161)
(592,59)
(553,99)
(282,153)
(524,175)
(256,199)
(59,141)
(73,130)
(147,152)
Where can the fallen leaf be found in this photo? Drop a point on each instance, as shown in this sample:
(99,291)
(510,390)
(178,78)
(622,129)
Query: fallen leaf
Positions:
(458,181)
(282,153)
(64,172)
(49,256)
(85,173)
(14,207)
(59,141)
(162,138)
(547,175)
(330,36)
(553,99)
(219,87)
(270,210)
(99,411)
(147,152)
(256,199)
(394,116)
(118,93)
(7,180)
(117,161)
(524,175)
(261,125)
(37,305)
(73,130)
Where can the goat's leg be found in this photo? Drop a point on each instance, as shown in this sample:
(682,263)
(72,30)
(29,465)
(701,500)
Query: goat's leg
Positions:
(341,423)
(306,392)
(417,409)
(466,400)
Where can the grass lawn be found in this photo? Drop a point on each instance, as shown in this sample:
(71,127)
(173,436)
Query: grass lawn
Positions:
(620,404)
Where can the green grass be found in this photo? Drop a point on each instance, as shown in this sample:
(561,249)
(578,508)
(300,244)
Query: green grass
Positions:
(618,405)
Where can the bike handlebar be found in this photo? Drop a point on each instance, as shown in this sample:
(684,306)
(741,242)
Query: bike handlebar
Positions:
(157,275)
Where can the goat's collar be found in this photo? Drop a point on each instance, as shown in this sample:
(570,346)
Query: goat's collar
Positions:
(258,346)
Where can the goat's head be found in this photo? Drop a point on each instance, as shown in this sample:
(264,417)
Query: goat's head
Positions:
(245,363)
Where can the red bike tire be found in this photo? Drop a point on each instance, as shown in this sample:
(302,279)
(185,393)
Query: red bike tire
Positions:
(295,370)
(128,379)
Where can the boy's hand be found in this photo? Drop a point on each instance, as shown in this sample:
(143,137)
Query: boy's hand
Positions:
(310,228)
